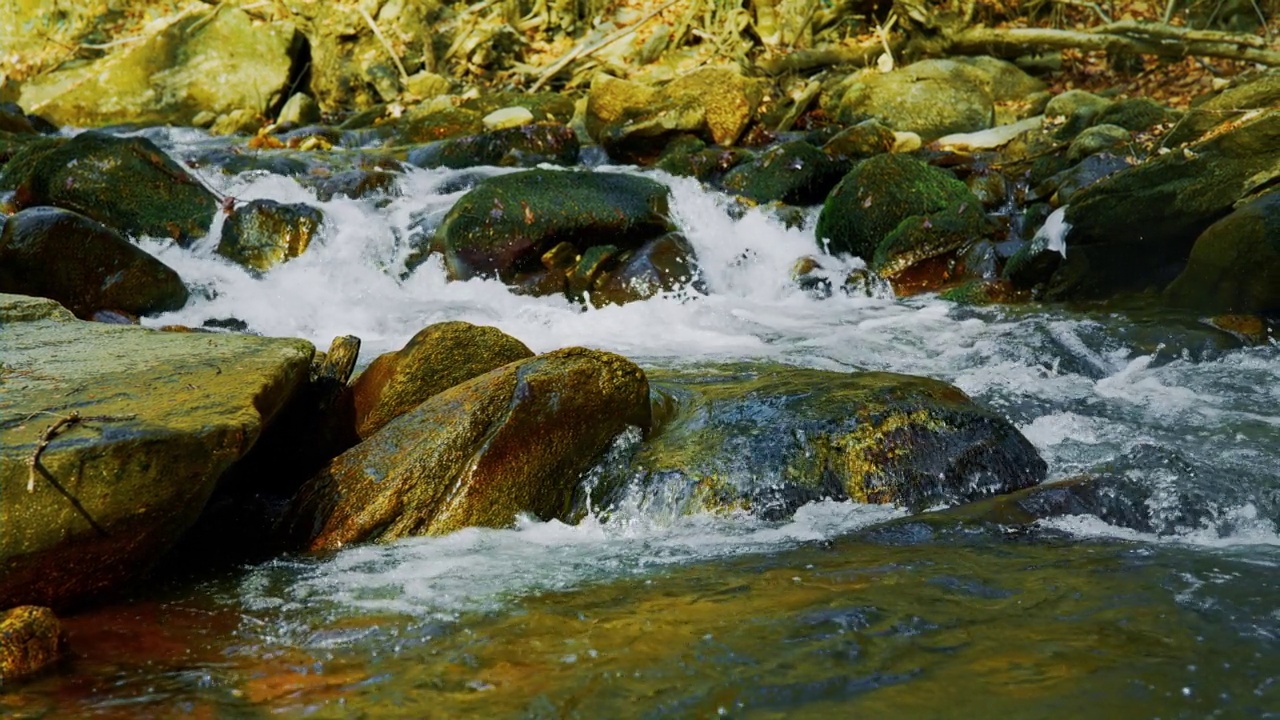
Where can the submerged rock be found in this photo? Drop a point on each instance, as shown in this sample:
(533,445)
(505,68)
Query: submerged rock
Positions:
(769,438)
(125,183)
(503,227)
(264,233)
(895,194)
(84,265)
(1235,263)
(514,440)
(435,359)
(661,265)
(147,422)
(31,639)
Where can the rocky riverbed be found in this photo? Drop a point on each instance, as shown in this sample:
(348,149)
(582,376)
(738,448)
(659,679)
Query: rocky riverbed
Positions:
(131,442)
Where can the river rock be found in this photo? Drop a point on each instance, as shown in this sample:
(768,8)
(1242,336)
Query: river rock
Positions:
(688,156)
(928,252)
(1073,111)
(793,172)
(31,639)
(218,61)
(769,438)
(350,65)
(514,440)
(264,233)
(860,141)
(728,99)
(885,191)
(1135,228)
(506,223)
(435,359)
(125,183)
(611,99)
(1248,92)
(299,110)
(161,416)
(441,124)
(84,265)
(521,146)
(1235,263)
(661,265)
(931,98)
(1096,139)
(356,184)
(1136,114)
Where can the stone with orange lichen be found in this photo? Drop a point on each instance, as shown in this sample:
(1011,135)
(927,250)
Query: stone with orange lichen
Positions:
(31,639)
(514,440)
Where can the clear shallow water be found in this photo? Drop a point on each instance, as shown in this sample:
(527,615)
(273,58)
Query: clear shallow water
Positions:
(829,613)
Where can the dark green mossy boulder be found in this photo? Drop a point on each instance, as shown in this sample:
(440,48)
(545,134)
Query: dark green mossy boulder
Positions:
(768,438)
(514,440)
(506,223)
(878,194)
(84,265)
(689,156)
(1136,114)
(125,183)
(794,172)
(264,233)
(1235,263)
(1135,228)
(521,146)
(860,141)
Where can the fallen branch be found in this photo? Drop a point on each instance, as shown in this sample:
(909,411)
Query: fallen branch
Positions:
(1126,37)
(377,33)
(803,60)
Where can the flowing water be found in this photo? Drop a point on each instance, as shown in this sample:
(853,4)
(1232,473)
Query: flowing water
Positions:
(840,611)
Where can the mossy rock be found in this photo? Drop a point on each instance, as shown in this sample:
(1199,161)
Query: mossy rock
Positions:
(31,640)
(233,161)
(768,438)
(923,252)
(162,415)
(1248,92)
(521,146)
(84,265)
(1136,114)
(1096,139)
(1235,263)
(125,183)
(435,359)
(1135,228)
(931,98)
(514,440)
(264,233)
(794,172)
(728,100)
(439,125)
(506,223)
(546,107)
(860,141)
(356,184)
(689,156)
(665,264)
(610,99)
(878,194)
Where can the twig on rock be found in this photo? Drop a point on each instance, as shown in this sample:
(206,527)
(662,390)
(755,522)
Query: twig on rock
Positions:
(64,422)
(377,33)
(582,51)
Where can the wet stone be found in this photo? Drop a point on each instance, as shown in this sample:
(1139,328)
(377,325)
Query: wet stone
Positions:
(265,233)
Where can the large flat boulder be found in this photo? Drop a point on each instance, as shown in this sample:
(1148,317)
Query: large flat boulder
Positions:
(145,422)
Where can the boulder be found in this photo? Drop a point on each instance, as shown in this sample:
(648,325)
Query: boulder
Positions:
(931,98)
(435,359)
(1099,138)
(688,156)
(264,233)
(506,223)
(218,61)
(1235,263)
(768,438)
(884,191)
(793,172)
(84,265)
(860,141)
(140,425)
(928,252)
(514,440)
(299,110)
(1247,93)
(664,264)
(350,66)
(125,183)
(520,146)
(728,99)
(356,184)
(1135,228)
(31,639)
(1136,114)
(610,99)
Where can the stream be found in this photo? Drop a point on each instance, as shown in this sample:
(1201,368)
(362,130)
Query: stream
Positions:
(842,610)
